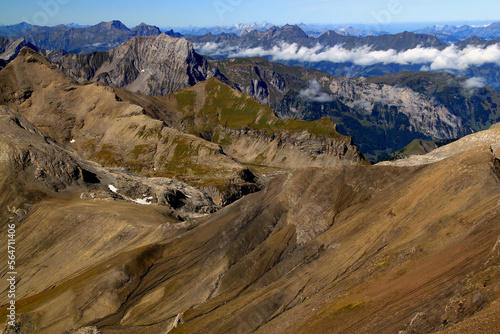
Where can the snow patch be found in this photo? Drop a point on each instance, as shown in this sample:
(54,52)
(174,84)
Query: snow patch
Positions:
(112,188)
(143,201)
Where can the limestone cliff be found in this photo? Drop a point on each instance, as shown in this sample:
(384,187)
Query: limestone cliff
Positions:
(156,65)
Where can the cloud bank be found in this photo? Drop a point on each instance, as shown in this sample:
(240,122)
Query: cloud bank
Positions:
(451,58)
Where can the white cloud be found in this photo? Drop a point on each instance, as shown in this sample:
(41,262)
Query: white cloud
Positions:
(474,83)
(471,85)
(451,58)
(315,93)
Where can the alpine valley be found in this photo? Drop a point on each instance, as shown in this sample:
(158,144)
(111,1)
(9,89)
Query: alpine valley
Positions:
(160,183)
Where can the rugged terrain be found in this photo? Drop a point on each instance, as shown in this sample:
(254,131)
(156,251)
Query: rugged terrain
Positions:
(358,249)
(154,66)
(100,37)
(203,212)
(198,135)
(382,114)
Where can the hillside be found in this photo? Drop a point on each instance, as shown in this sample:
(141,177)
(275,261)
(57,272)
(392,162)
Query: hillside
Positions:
(350,248)
(167,136)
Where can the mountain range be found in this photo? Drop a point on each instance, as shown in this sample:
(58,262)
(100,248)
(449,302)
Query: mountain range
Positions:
(408,246)
(383,114)
(332,51)
(103,36)
(156,190)
(458,33)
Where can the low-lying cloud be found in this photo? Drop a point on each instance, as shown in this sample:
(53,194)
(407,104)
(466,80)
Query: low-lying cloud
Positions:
(474,83)
(451,58)
(314,93)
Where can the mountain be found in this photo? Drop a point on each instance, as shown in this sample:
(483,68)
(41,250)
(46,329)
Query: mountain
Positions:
(340,54)
(87,117)
(470,99)
(292,34)
(489,32)
(155,66)
(237,29)
(10,48)
(206,135)
(399,42)
(316,30)
(266,39)
(16,28)
(100,37)
(381,116)
(416,147)
(359,249)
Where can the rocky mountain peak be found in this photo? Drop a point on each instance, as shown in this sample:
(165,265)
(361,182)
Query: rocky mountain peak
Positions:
(115,24)
(144,29)
(156,65)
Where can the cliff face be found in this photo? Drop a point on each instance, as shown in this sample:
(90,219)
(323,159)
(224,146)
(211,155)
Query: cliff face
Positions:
(289,149)
(9,49)
(153,66)
(424,115)
(383,114)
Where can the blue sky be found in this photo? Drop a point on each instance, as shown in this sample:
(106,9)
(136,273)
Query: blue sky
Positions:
(226,12)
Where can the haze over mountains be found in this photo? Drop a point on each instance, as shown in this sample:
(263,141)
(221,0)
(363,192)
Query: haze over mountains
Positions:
(158,190)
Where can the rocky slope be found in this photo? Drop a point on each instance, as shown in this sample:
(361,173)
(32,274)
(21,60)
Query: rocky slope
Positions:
(202,135)
(382,116)
(10,48)
(154,66)
(358,249)
(93,121)
(252,134)
(488,138)
(32,160)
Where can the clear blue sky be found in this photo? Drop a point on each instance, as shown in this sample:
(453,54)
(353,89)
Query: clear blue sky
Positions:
(226,12)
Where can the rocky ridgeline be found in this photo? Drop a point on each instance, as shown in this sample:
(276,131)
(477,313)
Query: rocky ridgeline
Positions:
(43,164)
(157,65)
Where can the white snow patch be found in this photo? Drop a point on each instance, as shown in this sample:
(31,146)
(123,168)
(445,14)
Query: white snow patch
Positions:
(72,141)
(112,188)
(144,201)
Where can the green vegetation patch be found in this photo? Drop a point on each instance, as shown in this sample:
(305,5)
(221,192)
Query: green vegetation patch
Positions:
(235,110)
(144,133)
